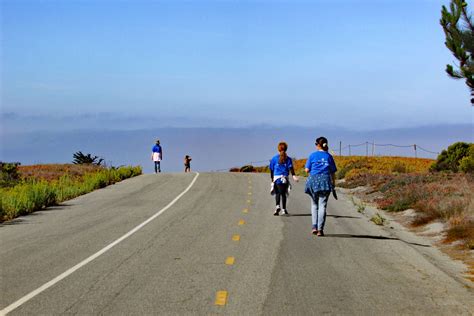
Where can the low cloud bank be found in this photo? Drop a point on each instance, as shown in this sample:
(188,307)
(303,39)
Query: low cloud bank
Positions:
(217,148)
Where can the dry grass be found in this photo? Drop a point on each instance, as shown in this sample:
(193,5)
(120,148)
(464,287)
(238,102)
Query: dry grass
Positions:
(461,228)
(447,197)
(50,172)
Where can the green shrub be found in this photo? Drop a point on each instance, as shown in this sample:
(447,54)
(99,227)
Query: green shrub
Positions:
(67,188)
(9,175)
(31,196)
(466,164)
(26,198)
(450,159)
(378,219)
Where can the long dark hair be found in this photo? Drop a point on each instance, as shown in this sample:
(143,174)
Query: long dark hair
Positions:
(323,143)
(282,147)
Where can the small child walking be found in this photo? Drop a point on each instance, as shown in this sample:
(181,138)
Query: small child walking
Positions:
(187,163)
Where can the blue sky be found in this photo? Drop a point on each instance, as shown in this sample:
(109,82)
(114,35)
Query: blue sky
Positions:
(350,63)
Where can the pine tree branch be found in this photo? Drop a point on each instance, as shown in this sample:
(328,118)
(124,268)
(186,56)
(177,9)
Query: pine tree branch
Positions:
(466,17)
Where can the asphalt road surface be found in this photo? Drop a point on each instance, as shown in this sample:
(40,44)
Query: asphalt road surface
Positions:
(174,244)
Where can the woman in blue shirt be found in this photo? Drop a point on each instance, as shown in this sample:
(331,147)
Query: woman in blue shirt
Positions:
(321,181)
(280,167)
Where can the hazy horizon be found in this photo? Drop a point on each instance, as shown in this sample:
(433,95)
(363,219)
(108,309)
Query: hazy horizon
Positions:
(13,123)
(220,148)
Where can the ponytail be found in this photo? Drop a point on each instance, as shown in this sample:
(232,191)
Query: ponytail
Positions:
(282,147)
(323,143)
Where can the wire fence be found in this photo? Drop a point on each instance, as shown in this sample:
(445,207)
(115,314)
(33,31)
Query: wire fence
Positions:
(371,148)
(348,150)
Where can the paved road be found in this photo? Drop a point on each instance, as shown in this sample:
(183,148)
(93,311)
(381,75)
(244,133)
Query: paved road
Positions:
(219,244)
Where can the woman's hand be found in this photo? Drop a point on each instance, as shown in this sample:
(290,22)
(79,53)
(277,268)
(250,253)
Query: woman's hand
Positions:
(296,178)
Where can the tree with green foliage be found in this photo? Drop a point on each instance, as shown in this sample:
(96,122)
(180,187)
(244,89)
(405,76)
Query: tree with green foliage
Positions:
(459,30)
(80,159)
(456,158)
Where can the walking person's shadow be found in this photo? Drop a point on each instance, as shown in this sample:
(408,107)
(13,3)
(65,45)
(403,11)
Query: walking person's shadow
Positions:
(329,215)
(357,236)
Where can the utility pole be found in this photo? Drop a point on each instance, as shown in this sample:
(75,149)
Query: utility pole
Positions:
(416,154)
(340,148)
(373,148)
(367,149)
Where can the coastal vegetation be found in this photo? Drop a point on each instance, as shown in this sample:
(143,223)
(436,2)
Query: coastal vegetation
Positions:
(26,189)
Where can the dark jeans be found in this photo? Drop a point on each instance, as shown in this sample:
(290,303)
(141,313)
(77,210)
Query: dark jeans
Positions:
(280,193)
(157,166)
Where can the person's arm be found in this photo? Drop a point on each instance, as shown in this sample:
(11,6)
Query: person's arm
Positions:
(292,171)
(295,177)
(271,167)
(333,171)
(307,167)
(161,153)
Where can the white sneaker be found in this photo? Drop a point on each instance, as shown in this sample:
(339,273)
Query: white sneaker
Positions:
(277,211)
(285,212)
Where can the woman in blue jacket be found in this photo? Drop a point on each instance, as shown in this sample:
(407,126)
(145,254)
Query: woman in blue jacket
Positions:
(321,181)
(280,168)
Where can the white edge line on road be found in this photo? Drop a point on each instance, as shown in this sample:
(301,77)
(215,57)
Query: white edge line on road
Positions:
(63,275)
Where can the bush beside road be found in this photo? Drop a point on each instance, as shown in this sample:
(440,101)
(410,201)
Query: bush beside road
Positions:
(31,188)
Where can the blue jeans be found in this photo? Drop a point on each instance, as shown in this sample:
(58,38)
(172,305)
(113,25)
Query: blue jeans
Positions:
(318,209)
(157,167)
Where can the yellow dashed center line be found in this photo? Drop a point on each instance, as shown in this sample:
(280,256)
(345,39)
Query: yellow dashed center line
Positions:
(230,261)
(221,298)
